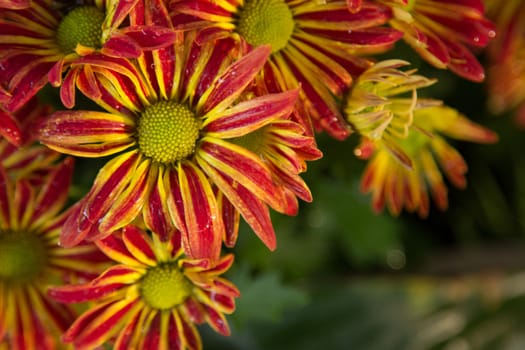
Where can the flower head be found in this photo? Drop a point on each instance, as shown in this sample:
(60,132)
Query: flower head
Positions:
(444,31)
(152,298)
(39,43)
(175,119)
(377,107)
(30,221)
(314,46)
(397,186)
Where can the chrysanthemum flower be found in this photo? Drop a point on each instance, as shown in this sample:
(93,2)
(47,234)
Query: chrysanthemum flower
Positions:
(174,118)
(378,109)
(38,43)
(391,182)
(31,260)
(152,299)
(314,45)
(506,71)
(443,32)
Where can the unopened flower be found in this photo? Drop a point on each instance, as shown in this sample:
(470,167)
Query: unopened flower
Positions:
(394,184)
(153,297)
(380,105)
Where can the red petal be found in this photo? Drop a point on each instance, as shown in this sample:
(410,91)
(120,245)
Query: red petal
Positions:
(54,192)
(128,204)
(253,210)
(234,80)
(251,115)
(243,166)
(9,128)
(204,227)
(156,213)
(138,244)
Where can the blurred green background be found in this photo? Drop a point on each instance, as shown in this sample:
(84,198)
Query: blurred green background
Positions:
(345,278)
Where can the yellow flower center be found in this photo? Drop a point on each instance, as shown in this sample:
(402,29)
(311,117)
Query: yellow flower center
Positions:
(266,22)
(82,25)
(23,256)
(167,131)
(164,287)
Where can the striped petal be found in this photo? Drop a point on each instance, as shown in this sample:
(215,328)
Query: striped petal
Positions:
(252,209)
(230,84)
(53,194)
(128,204)
(87,133)
(250,115)
(139,245)
(100,323)
(197,212)
(230,218)
(114,247)
(110,281)
(241,165)
(155,211)
(111,180)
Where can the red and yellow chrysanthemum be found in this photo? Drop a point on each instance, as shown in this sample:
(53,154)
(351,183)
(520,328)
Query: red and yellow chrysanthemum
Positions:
(31,260)
(443,32)
(398,186)
(153,297)
(315,45)
(176,119)
(39,43)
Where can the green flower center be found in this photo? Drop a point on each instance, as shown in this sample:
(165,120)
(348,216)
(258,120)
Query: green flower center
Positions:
(82,25)
(253,141)
(410,5)
(164,287)
(23,256)
(266,22)
(167,131)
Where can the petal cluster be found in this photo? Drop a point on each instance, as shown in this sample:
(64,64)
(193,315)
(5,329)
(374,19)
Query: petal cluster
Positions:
(322,54)
(445,33)
(122,311)
(30,217)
